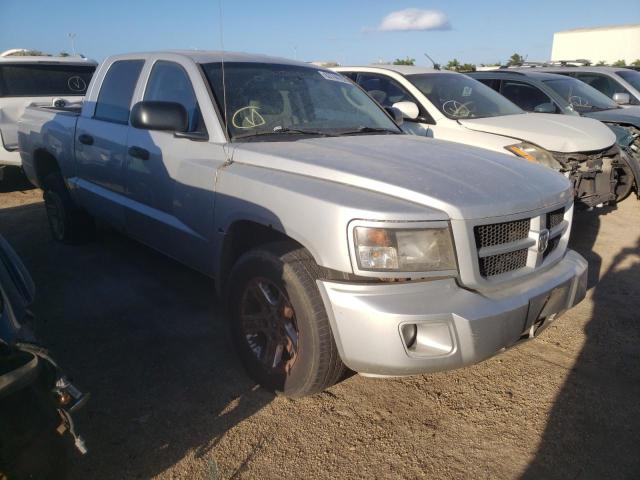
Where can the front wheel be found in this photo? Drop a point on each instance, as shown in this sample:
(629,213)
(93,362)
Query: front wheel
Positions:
(279,323)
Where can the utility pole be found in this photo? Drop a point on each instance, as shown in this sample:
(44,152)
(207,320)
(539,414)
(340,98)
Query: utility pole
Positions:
(72,37)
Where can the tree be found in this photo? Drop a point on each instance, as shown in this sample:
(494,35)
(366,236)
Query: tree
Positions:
(619,63)
(515,60)
(404,61)
(467,67)
(601,63)
(63,54)
(28,53)
(636,63)
(453,65)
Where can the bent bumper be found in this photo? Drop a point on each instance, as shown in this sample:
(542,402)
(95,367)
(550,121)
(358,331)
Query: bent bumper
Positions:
(454,326)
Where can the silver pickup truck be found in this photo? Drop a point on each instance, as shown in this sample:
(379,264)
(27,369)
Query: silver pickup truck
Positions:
(333,238)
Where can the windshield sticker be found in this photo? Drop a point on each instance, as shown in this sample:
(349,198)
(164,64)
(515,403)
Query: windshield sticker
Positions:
(466,91)
(335,77)
(76,84)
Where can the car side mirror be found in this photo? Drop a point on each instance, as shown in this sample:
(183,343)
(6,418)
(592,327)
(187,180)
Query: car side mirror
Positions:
(622,98)
(154,115)
(410,110)
(545,108)
(396,114)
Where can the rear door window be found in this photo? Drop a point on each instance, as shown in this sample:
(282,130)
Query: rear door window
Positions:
(24,80)
(114,100)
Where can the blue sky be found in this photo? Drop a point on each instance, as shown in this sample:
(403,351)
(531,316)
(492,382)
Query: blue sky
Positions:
(346,31)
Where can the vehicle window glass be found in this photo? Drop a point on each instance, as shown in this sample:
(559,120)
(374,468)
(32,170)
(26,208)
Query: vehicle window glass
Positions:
(263,99)
(491,83)
(601,83)
(117,89)
(526,96)
(582,97)
(384,90)
(631,76)
(44,80)
(350,75)
(170,83)
(459,96)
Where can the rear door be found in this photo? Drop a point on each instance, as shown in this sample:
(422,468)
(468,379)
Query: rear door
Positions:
(525,95)
(166,209)
(101,142)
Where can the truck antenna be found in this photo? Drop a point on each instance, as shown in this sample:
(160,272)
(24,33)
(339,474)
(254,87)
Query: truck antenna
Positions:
(224,84)
(436,66)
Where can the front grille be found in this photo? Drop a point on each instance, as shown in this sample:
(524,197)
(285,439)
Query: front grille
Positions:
(501,233)
(503,263)
(555,218)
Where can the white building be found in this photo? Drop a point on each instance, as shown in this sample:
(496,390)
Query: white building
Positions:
(615,42)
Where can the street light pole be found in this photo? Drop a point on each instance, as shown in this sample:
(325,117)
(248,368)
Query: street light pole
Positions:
(72,37)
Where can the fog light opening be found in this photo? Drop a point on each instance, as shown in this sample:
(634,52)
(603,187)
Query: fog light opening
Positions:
(409,334)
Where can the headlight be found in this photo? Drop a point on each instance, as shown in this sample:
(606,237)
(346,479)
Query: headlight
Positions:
(404,249)
(535,154)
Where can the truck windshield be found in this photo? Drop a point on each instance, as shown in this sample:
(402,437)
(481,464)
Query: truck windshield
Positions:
(458,96)
(631,76)
(273,100)
(581,96)
(42,80)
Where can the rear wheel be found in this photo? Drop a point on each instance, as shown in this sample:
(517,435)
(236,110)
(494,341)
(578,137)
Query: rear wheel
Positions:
(279,322)
(68,222)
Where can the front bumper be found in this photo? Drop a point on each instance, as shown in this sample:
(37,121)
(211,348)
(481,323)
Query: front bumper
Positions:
(455,326)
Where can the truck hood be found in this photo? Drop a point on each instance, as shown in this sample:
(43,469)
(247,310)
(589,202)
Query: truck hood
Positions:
(630,116)
(464,182)
(556,133)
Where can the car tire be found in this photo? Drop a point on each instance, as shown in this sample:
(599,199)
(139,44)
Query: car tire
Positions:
(279,322)
(626,180)
(68,223)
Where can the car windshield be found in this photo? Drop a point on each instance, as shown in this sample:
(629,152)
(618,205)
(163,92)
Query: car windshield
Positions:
(274,100)
(458,96)
(581,96)
(631,76)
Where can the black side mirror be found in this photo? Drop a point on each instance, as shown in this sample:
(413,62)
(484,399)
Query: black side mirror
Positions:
(396,114)
(153,115)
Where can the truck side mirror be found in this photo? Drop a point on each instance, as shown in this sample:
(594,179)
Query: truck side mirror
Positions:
(396,114)
(410,110)
(621,98)
(545,108)
(154,115)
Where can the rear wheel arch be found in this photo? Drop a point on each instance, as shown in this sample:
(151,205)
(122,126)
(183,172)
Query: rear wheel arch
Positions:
(44,165)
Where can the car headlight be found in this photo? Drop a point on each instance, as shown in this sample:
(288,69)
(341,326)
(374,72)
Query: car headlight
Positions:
(404,249)
(535,154)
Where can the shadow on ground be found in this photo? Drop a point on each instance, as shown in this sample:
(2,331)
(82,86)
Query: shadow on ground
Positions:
(164,380)
(586,437)
(13,180)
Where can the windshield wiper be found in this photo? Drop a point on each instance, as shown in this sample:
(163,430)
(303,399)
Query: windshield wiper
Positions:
(287,131)
(370,130)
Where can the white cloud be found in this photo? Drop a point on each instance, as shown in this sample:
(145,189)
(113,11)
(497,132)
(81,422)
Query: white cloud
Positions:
(414,19)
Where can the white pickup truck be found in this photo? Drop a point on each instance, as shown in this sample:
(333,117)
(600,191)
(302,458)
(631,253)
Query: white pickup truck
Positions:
(334,238)
(451,106)
(28,79)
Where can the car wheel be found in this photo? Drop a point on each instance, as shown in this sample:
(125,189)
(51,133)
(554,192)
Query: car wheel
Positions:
(67,222)
(279,323)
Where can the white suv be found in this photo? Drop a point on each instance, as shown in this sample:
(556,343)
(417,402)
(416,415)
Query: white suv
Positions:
(452,106)
(28,79)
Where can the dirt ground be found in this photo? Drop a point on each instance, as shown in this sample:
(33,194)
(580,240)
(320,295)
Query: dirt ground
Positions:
(169,399)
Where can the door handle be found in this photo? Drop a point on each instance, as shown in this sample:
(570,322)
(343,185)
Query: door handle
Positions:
(86,139)
(139,152)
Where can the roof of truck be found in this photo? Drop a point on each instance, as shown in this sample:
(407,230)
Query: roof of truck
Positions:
(211,56)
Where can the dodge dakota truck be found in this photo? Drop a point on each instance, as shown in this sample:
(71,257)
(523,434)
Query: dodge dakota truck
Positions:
(333,238)
(28,79)
(451,106)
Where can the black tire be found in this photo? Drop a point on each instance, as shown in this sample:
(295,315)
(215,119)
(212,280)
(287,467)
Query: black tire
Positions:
(68,222)
(287,270)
